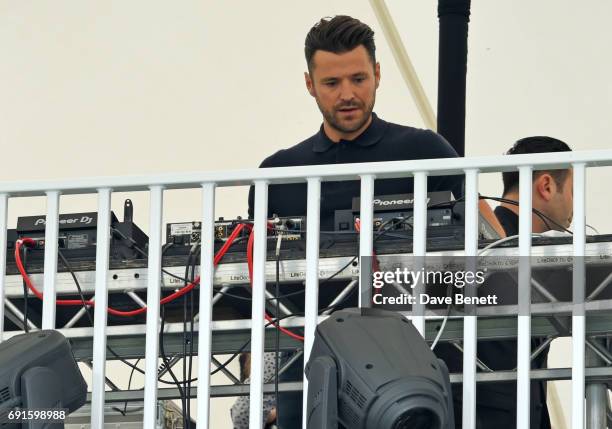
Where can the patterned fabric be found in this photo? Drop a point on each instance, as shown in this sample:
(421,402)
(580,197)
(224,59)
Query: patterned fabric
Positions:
(240,409)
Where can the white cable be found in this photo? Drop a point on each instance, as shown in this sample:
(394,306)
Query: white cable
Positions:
(280,230)
(593,228)
(435,341)
(480,253)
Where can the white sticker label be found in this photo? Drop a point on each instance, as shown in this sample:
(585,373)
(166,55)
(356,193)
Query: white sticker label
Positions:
(180,229)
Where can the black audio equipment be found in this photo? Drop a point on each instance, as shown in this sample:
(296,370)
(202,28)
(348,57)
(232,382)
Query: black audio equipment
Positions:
(292,228)
(394,214)
(129,241)
(399,207)
(77,235)
(76,230)
(11,238)
(189,233)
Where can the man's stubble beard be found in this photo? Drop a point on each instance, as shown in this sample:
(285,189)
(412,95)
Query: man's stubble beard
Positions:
(331,120)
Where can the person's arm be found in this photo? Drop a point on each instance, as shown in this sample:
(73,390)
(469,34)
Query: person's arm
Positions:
(487,213)
(240,410)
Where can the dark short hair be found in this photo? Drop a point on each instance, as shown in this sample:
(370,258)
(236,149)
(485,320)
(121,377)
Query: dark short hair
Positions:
(339,34)
(536,144)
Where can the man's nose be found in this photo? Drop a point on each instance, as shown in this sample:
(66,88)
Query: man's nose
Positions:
(346,91)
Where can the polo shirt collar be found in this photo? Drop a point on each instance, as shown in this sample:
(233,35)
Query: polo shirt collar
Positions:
(369,137)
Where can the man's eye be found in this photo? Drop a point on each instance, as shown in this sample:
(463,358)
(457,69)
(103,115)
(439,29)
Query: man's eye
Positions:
(330,83)
(359,79)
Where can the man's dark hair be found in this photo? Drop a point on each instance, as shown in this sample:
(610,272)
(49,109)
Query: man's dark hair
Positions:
(536,144)
(339,34)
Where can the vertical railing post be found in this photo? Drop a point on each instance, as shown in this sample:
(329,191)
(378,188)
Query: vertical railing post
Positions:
(523,360)
(100,315)
(153,297)
(419,245)
(207,273)
(578,284)
(596,393)
(366,239)
(3,224)
(50,265)
(311,300)
(258,306)
(470,321)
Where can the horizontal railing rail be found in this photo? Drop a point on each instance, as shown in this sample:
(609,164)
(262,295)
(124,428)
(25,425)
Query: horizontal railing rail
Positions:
(388,169)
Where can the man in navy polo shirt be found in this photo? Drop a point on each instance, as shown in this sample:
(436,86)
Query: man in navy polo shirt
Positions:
(342,77)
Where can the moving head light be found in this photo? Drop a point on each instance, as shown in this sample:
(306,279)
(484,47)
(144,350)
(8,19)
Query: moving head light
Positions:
(38,371)
(370,368)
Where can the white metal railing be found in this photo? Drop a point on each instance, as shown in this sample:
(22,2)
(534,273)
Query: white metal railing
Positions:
(313,176)
(524,298)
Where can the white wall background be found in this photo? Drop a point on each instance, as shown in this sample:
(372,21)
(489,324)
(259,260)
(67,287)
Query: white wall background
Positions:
(131,87)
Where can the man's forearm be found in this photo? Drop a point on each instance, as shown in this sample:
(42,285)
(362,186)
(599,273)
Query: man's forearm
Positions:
(487,213)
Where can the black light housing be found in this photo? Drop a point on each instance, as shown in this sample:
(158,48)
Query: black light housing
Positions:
(38,371)
(370,368)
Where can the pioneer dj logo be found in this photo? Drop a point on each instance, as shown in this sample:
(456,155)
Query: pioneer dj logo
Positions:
(84,220)
(385,203)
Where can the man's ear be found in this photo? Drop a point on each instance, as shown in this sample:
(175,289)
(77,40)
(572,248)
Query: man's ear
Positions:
(309,84)
(377,74)
(545,187)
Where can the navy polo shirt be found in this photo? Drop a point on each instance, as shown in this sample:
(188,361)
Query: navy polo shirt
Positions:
(381,141)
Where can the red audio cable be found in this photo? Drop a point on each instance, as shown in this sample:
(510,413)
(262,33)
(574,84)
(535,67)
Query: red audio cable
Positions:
(185,289)
(78,303)
(267,316)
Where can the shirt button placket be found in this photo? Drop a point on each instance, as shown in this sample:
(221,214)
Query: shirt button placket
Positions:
(340,153)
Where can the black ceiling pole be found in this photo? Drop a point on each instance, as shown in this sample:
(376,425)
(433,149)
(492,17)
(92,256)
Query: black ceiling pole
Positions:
(454,16)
